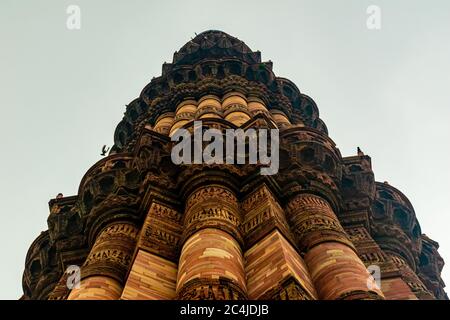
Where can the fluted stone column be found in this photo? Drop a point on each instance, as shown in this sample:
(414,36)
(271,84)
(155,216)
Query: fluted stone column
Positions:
(103,273)
(335,268)
(211,263)
(153,274)
(270,251)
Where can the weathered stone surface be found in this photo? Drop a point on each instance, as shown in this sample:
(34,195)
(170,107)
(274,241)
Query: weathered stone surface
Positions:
(141,227)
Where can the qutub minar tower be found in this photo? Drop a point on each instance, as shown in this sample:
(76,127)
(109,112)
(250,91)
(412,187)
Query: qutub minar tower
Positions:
(142,227)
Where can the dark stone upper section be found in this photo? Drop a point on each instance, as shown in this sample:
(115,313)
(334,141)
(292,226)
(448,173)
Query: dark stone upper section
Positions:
(216,45)
(214,63)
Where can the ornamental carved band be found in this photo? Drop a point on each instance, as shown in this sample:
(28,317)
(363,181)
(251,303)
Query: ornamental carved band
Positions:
(112,252)
(314,221)
(213,206)
(161,232)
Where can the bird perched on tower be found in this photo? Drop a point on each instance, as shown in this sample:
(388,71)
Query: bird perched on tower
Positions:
(360,153)
(104,150)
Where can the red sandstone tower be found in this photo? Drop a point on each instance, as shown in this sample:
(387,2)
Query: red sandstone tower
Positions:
(142,227)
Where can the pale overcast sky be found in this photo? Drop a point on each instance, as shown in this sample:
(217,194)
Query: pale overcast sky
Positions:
(63,92)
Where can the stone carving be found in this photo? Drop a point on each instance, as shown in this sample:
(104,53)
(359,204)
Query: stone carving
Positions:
(211,290)
(328,208)
(112,252)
